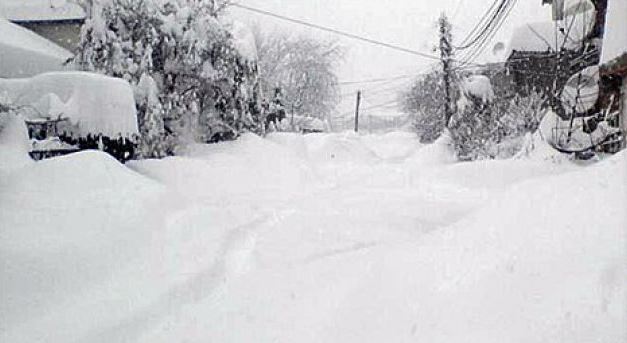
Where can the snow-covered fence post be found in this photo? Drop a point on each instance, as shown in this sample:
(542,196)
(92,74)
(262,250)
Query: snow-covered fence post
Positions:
(357,111)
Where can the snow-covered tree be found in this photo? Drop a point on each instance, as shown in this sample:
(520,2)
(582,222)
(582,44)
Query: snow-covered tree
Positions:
(425,103)
(206,86)
(304,68)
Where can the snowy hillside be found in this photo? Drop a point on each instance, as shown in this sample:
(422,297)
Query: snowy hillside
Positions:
(317,238)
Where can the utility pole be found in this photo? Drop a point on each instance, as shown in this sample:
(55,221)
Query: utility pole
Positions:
(357,111)
(446,52)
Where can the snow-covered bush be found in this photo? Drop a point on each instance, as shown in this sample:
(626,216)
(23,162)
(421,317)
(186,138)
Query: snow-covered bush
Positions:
(154,143)
(489,126)
(205,85)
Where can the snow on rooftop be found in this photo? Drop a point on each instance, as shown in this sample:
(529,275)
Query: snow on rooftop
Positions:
(23,53)
(40,10)
(545,36)
(615,39)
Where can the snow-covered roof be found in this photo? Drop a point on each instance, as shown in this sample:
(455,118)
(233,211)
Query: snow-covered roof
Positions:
(40,10)
(615,36)
(23,53)
(545,36)
(533,37)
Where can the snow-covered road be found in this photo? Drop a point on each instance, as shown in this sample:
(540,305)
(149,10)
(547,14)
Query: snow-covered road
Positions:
(321,238)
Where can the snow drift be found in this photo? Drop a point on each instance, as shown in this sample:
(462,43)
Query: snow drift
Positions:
(273,241)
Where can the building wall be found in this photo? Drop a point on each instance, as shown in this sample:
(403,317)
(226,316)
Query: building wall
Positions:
(65,34)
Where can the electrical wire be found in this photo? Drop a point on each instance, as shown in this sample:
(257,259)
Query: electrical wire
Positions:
(337,32)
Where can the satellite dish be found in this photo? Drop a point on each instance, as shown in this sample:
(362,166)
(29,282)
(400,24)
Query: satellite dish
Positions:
(581,92)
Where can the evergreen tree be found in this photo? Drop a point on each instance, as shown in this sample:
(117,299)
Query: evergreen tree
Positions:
(206,87)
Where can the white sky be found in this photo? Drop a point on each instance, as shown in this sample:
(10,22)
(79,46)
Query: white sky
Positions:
(408,23)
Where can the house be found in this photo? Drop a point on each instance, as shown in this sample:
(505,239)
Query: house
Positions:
(59,21)
(613,91)
(542,57)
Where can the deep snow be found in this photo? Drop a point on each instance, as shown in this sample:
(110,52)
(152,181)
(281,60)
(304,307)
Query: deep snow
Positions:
(317,238)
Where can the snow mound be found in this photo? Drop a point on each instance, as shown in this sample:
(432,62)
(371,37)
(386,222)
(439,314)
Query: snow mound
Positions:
(67,223)
(393,145)
(96,103)
(98,171)
(478,86)
(562,276)
(23,53)
(250,165)
(339,148)
(438,153)
(14,143)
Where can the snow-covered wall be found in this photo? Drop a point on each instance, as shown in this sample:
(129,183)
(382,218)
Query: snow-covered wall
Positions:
(96,103)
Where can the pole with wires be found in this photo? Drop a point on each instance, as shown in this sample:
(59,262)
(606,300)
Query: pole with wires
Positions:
(446,57)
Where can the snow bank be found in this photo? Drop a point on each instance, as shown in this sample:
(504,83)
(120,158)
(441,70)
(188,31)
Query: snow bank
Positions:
(96,103)
(67,223)
(510,272)
(615,39)
(345,148)
(14,143)
(438,153)
(23,53)
(247,244)
(250,166)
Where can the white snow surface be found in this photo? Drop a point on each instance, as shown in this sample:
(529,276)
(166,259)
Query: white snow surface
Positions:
(14,143)
(94,102)
(615,35)
(478,86)
(23,53)
(41,10)
(316,238)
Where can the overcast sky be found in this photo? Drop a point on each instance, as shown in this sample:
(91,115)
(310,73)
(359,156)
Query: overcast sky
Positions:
(408,23)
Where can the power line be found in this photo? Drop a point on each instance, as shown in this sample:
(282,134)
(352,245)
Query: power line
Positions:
(337,32)
(489,35)
(376,80)
(488,26)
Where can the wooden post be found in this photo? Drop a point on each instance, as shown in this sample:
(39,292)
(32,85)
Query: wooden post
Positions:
(357,111)
(446,52)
